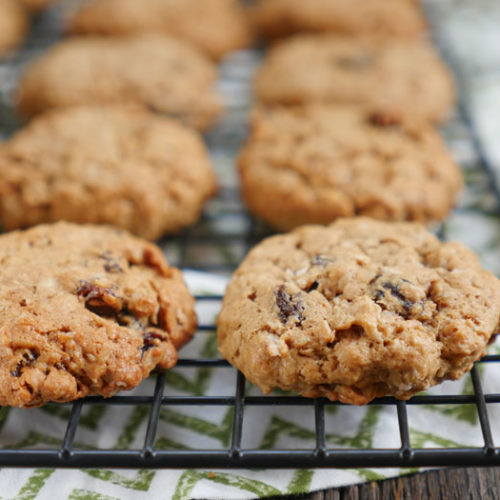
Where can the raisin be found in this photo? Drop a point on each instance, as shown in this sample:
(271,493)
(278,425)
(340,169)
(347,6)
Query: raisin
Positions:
(101,310)
(106,303)
(403,304)
(17,371)
(126,318)
(383,120)
(289,306)
(112,267)
(110,264)
(28,358)
(149,340)
(395,292)
(93,292)
(84,288)
(320,260)
(100,300)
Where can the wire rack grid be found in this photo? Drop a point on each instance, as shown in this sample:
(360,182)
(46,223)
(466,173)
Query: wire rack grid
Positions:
(226,225)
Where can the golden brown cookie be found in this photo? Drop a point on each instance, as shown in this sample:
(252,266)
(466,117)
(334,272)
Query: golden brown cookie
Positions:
(105,165)
(85,310)
(402,77)
(160,73)
(14,25)
(215,26)
(314,163)
(357,310)
(279,18)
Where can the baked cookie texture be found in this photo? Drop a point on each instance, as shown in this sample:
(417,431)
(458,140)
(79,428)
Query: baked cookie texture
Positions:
(402,77)
(314,163)
(85,310)
(105,165)
(215,26)
(14,25)
(395,18)
(358,310)
(160,73)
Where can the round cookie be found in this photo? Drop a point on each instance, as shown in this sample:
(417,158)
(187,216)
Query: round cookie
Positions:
(279,18)
(314,163)
(160,73)
(13,25)
(402,77)
(214,26)
(105,165)
(85,310)
(357,310)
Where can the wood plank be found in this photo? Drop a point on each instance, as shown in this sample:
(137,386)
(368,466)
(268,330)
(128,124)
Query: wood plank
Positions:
(463,483)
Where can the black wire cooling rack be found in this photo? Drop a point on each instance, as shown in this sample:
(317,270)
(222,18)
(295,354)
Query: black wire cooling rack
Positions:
(227,207)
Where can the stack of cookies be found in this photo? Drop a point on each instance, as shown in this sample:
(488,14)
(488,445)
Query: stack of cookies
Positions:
(349,96)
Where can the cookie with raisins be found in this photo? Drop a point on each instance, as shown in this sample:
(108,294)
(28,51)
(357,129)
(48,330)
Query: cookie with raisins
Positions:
(401,77)
(85,310)
(390,18)
(116,165)
(311,164)
(358,310)
(158,72)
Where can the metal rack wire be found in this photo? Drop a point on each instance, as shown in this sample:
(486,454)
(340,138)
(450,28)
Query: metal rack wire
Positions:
(235,455)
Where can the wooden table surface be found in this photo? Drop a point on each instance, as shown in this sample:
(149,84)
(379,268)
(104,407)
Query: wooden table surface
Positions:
(462,484)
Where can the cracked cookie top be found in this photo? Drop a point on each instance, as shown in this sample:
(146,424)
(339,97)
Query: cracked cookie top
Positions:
(85,310)
(400,77)
(311,164)
(160,73)
(358,310)
(116,165)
